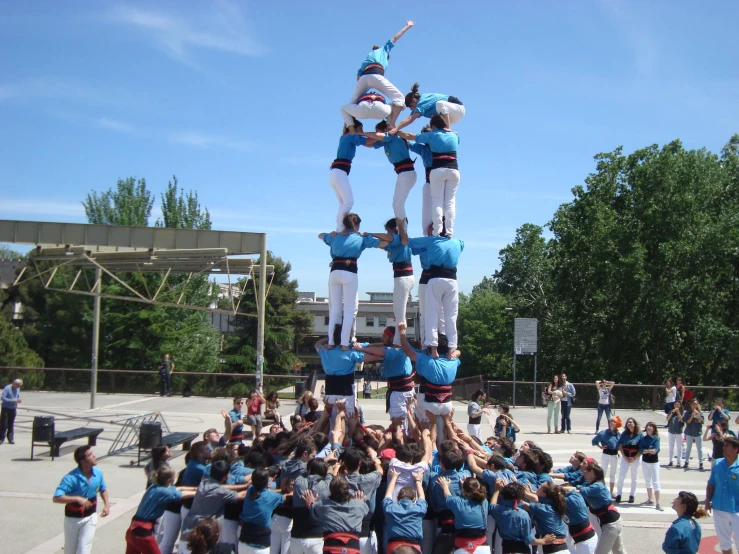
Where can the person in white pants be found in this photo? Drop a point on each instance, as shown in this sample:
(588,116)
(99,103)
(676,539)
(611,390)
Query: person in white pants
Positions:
(371,75)
(723,497)
(78,491)
(628,445)
(338,176)
(607,440)
(444,174)
(422,285)
(346,247)
(169,529)
(450,108)
(371,105)
(649,450)
(675,427)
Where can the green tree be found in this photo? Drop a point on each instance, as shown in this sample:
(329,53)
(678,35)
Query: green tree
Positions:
(485,330)
(284,324)
(15,352)
(129,204)
(7,253)
(182,211)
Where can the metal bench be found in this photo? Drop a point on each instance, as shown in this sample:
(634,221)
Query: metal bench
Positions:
(73,434)
(174,439)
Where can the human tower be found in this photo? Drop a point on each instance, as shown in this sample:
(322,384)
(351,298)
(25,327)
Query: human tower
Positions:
(375,97)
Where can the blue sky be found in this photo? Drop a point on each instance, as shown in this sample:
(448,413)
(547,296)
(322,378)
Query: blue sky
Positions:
(241,101)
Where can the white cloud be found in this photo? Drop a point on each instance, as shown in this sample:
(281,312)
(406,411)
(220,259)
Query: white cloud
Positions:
(205,141)
(220,26)
(114,125)
(41,207)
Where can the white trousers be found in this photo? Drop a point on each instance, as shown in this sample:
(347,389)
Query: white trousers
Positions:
(230,533)
(364,110)
(611,541)
(444,183)
(651,475)
(676,444)
(342,299)
(246,549)
(421,416)
(404,182)
(399,403)
(439,408)
(609,461)
(422,315)
(368,545)
(306,546)
(483,549)
(727,528)
(379,83)
(442,297)
(79,534)
(583,547)
(402,287)
(427,216)
(281,528)
(339,181)
(454,111)
(623,469)
(474,430)
(169,530)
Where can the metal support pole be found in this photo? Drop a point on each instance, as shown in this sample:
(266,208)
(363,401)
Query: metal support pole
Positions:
(514,378)
(534,404)
(261,310)
(95,336)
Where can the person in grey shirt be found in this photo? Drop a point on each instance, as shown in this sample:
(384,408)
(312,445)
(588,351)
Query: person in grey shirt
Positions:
(693,419)
(675,433)
(568,398)
(342,512)
(210,500)
(307,531)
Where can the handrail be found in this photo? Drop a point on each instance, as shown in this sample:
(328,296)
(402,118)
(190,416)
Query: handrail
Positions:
(592,384)
(145,371)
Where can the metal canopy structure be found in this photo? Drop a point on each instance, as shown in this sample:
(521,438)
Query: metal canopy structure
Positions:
(110,250)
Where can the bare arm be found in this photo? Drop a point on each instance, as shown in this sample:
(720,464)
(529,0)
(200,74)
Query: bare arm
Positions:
(408,25)
(709,496)
(321,342)
(106,503)
(407,350)
(407,121)
(403,235)
(383,236)
(472,465)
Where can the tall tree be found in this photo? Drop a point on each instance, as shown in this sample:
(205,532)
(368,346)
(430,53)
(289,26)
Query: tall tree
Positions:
(129,204)
(182,211)
(485,331)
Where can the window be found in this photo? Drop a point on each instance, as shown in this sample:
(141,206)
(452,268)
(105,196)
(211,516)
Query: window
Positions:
(369,321)
(382,321)
(325,320)
(411,322)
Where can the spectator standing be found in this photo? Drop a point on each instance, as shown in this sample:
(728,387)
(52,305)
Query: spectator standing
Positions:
(628,445)
(254,413)
(166,368)
(475,411)
(604,400)
(719,413)
(693,432)
(367,389)
(568,399)
(649,449)
(675,427)
(716,435)
(554,399)
(11,397)
(671,396)
(722,495)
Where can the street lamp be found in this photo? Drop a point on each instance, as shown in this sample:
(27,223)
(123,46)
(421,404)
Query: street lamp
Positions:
(514,358)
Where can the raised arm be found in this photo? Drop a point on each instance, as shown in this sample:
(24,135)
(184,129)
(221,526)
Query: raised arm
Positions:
(403,124)
(408,25)
(407,350)
(403,234)
(321,342)
(472,465)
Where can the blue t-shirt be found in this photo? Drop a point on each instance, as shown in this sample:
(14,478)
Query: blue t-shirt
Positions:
(236,417)
(577,510)
(546,519)
(155,501)
(75,483)
(348,146)
(606,438)
(627,440)
(439,141)
(404,518)
(438,371)
(423,151)
(395,363)
(725,481)
(397,251)
(683,537)
(349,246)
(440,251)
(193,474)
(259,512)
(339,362)
(648,442)
(427,104)
(379,56)
(468,514)
(512,524)
(396,148)
(596,494)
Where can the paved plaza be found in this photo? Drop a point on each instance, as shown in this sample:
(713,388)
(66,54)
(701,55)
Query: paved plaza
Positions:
(31,523)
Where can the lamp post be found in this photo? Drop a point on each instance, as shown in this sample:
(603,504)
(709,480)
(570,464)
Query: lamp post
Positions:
(514,358)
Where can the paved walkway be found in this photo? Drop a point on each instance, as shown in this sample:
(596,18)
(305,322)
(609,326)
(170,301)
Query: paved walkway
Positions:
(32,523)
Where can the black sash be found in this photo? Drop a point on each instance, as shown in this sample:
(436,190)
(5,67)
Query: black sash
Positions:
(342,164)
(402,269)
(373,69)
(142,527)
(551,548)
(79,511)
(344,264)
(516,546)
(232,511)
(438,393)
(425,276)
(438,271)
(428,174)
(404,165)
(454,100)
(304,526)
(445,159)
(630,451)
(582,531)
(286,508)
(255,534)
(607,515)
(610,452)
(650,458)
(475,420)
(340,385)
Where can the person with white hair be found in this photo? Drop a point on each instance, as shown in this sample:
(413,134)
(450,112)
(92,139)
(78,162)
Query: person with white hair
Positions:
(11,397)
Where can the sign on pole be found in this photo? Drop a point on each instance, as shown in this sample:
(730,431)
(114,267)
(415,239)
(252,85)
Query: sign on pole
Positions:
(524,335)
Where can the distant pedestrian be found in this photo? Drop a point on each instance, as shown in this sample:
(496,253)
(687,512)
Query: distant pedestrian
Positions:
(604,400)
(568,399)
(11,397)
(554,398)
(166,368)
(367,389)
(675,427)
(671,396)
(254,413)
(693,419)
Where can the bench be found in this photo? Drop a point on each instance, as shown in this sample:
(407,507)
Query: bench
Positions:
(174,439)
(73,434)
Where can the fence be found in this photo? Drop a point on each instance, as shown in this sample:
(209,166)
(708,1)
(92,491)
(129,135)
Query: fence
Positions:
(146,382)
(628,396)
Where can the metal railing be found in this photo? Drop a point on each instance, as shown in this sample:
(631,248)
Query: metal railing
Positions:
(628,396)
(132,381)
